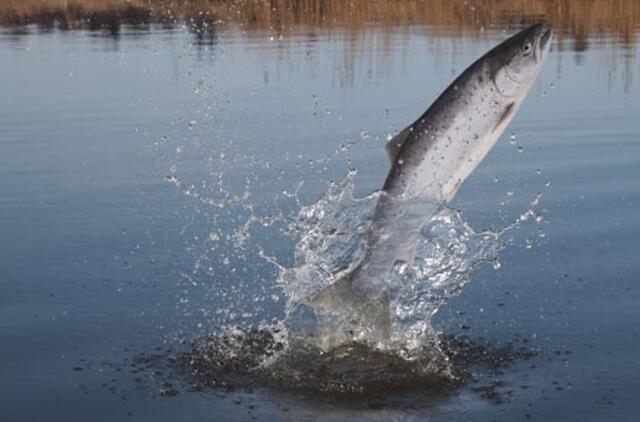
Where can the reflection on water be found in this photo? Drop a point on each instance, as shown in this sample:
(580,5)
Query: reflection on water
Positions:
(576,20)
(577,23)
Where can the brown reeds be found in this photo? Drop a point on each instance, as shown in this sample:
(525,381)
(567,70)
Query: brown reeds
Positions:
(574,19)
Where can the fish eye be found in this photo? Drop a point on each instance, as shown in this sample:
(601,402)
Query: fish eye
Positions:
(526,48)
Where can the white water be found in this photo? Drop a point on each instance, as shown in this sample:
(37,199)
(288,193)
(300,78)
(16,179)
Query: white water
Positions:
(330,241)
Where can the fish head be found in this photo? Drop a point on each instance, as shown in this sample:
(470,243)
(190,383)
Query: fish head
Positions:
(517,61)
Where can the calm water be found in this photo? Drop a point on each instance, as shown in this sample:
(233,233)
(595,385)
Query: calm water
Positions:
(102,258)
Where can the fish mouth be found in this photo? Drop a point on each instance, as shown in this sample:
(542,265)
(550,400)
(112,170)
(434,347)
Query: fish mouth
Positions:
(544,42)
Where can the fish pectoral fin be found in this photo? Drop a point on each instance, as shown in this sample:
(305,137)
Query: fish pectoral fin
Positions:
(504,117)
(394,146)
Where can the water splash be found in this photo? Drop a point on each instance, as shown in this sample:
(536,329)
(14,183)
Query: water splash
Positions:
(332,244)
(330,237)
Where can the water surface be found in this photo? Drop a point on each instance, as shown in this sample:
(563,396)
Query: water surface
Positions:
(121,129)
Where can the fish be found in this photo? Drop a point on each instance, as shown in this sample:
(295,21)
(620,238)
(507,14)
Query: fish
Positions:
(430,160)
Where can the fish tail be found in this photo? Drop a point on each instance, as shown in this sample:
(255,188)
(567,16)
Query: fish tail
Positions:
(344,300)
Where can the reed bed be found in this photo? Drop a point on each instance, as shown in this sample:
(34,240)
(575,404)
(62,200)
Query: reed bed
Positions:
(574,19)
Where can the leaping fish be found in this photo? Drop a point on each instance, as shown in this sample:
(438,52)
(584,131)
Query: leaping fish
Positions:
(430,159)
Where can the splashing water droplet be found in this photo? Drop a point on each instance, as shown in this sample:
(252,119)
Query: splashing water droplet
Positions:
(330,242)
(400,266)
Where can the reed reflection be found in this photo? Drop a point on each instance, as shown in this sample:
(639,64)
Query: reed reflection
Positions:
(578,24)
(575,20)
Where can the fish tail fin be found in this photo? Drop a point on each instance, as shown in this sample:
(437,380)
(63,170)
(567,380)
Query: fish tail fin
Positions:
(344,300)
(335,295)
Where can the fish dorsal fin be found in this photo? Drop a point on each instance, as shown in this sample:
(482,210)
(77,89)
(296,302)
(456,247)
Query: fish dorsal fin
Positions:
(394,146)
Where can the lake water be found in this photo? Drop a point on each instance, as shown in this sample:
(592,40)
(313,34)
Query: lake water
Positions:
(119,141)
